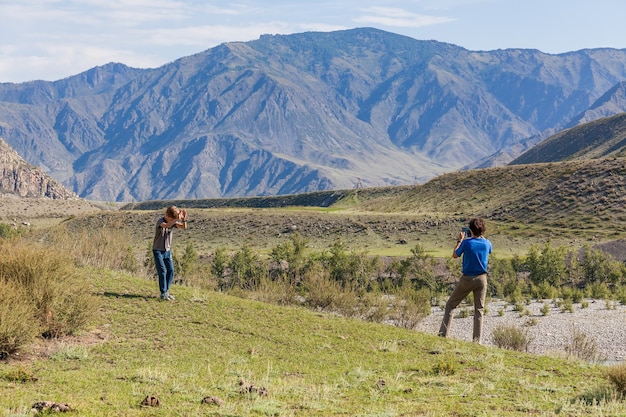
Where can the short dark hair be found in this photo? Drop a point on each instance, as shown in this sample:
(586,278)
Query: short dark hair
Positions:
(477,226)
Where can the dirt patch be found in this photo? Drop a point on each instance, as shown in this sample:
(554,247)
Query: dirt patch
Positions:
(41,212)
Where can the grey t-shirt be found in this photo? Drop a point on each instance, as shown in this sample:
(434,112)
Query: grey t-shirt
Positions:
(162,236)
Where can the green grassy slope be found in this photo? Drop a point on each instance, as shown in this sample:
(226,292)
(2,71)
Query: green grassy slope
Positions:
(568,203)
(573,194)
(578,194)
(310,364)
(602,138)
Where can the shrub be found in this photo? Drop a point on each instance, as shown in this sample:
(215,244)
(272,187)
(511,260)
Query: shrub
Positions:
(323,292)
(598,266)
(18,326)
(59,297)
(353,270)
(502,277)
(617,375)
(410,306)
(247,269)
(543,291)
(8,232)
(374,307)
(291,252)
(219,265)
(187,263)
(129,262)
(548,265)
(278,291)
(20,375)
(567,306)
(419,269)
(598,291)
(511,337)
(582,347)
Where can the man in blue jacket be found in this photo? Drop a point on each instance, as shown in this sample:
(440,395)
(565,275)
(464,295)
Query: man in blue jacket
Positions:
(475,250)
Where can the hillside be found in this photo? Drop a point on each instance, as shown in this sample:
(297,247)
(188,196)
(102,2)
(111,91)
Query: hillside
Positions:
(602,138)
(259,359)
(582,194)
(23,180)
(572,203)
(578,194)
(301,113)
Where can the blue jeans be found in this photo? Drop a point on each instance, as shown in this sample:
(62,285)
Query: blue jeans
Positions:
(165,269)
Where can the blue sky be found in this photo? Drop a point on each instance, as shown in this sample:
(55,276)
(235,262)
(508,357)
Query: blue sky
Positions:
(54,39)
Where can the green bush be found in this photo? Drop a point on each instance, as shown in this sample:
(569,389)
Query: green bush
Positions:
(247,269)
(130,263)
(548,265)
(598,291)
(353,270)
(219,264)
(511,337)
(278,291)
(502,277)
(323,292)
(598,266)
(446,365)
(291,252)
(543,291)
(8,232)
(186,264)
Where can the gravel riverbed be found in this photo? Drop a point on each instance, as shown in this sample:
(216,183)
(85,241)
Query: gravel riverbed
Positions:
(551,333)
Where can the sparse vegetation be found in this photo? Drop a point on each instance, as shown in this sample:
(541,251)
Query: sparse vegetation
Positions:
(583,347)
(617,375)
(55,298)
(348,269)
(512,337)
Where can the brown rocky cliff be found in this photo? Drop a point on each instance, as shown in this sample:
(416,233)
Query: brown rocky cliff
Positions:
(19,178)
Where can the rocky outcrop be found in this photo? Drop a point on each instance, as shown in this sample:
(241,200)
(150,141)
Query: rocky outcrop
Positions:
(19,178)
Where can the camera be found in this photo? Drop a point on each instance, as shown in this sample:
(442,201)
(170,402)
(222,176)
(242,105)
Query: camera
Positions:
(467,231)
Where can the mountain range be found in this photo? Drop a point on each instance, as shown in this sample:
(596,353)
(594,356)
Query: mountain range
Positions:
(289,114)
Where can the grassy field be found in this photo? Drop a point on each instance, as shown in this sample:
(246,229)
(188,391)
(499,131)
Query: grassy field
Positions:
(266,360)
(568,203)
(259,359)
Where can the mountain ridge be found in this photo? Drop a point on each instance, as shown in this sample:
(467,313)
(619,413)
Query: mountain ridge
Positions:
(299,113)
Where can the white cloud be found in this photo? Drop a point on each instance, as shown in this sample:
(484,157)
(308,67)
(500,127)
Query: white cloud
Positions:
(396,17)
(52,39)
